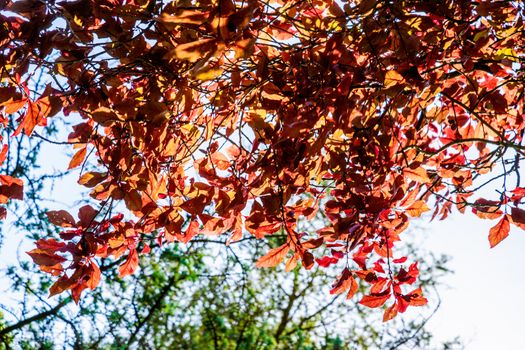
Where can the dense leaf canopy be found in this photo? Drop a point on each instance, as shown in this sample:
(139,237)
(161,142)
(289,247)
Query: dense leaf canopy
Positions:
(243,118)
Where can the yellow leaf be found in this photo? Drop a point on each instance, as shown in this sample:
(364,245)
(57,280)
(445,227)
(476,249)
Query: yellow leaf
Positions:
(208,74)
(393,78)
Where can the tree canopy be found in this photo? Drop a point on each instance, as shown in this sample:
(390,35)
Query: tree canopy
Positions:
(245,118)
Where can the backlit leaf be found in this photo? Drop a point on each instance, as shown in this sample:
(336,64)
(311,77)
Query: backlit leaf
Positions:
(273,257)
(499,232)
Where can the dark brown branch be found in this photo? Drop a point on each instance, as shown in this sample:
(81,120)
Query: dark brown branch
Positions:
(37,317)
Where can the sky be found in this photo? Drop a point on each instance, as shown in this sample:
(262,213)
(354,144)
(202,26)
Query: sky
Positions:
(484,302)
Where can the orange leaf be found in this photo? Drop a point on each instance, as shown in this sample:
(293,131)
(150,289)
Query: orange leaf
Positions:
(3,153)
(417,208)
(94,277)
(78,158)
(345,282)
(291,263)
(34,113)
(11,107)
(62,284)
(419,174)
(185,17)
(273,257)
(195,50)
(374,301)
(390,313)
(191,231)
(220,161)
(130,265)
(499,232)
(91,179)
(393,78)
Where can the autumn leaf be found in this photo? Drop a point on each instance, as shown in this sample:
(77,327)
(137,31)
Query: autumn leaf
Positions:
(195,50)
(130,265)
(390,313)
(346,282)
(499,232)
(86,215)
(418,174)
(78,158)
(45,258)
(218,118)
(11,106)
(185,17)
(517,216)
(10,188)
(326,261)
(91,179)
(374,301)
(273,257)
(60,218)
(392,78)
(133,200)
(94,276)
(417,208)
(50,244)
(60,285)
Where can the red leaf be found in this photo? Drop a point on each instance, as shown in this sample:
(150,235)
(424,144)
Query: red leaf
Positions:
(45,258)
(499,232)
(326,261)
(10,188)
(130,265)
(308,260)
(374,301)
(87,215)
(60,218)
(517,216)
(273,257)
(146,249)
(400,260)
(414,298)
(50,244)
(345,282)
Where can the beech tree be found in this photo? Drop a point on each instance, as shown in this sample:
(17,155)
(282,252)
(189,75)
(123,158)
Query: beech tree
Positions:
(244,118)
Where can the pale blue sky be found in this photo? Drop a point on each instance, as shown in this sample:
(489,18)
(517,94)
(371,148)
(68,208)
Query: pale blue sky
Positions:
(485,302)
